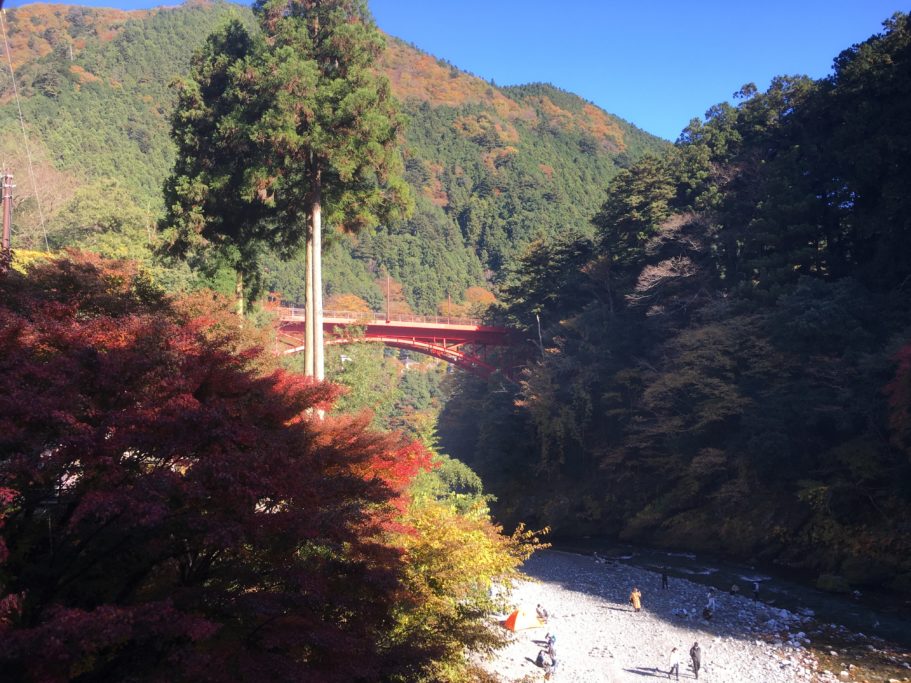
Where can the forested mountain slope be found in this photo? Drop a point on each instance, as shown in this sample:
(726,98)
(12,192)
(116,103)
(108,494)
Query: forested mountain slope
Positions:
(727,361)
(492,168)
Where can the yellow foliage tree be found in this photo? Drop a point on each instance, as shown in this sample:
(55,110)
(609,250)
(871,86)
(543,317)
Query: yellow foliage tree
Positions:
(350,303)
(455,558)
(451,309)
(478,300)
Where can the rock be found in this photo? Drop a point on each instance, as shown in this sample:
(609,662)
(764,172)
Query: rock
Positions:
(844,674)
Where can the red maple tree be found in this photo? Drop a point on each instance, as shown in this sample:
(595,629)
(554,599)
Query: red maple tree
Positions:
(169,510)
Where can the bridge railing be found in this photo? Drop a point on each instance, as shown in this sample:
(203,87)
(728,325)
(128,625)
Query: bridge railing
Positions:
(372,316)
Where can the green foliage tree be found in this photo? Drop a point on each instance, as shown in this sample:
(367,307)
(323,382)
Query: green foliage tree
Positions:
(216,208)
(721,370)
(332,126)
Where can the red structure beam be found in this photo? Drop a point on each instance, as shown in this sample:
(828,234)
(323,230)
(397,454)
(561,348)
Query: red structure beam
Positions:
(439,336)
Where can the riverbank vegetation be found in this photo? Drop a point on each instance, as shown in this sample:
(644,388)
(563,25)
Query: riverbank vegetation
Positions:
(725,361)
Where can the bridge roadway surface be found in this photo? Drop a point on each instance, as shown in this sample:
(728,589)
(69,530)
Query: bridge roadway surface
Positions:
(451,339)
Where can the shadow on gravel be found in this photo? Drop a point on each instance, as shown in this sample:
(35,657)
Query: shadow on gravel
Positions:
(792,633)
(651,672)
(734,617)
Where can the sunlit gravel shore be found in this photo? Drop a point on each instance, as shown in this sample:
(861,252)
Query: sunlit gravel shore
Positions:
(600,638)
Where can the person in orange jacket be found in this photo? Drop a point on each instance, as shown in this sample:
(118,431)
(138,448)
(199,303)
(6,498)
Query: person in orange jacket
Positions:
(635,599)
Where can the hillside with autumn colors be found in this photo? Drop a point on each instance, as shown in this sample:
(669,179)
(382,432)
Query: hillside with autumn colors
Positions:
(492,168)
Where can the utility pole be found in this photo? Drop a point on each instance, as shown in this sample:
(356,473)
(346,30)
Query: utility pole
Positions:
(6,196)
(387,298)
(7,209)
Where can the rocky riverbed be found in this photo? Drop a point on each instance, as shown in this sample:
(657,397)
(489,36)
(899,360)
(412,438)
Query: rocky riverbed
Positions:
(601,639)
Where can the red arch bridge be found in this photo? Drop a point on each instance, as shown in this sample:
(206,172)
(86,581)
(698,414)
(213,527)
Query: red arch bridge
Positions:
(460,341)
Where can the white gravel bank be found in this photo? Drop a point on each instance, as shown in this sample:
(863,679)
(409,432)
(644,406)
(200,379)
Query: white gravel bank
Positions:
(600,638)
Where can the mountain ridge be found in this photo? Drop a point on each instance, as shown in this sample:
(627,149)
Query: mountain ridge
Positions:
(493,168)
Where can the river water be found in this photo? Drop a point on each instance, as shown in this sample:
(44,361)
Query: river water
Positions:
(877,614)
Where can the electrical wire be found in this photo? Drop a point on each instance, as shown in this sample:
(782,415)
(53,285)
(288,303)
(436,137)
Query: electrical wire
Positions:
(28,151)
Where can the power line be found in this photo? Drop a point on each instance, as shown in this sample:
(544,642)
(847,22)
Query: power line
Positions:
(28,151)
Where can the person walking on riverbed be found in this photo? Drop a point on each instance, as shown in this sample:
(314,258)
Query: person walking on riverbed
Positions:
(673,662)
(696,656)
(635,599)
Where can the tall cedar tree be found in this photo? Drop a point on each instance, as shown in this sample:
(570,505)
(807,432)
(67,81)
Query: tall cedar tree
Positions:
(308,125)
(168,510)
(336,135)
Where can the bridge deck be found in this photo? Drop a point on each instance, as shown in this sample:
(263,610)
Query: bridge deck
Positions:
(437,329)
(442,337)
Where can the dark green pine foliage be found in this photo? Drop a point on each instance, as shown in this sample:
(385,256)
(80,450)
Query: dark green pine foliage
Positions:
(328,117)
(218,207)
(725,368)
(638,202)
(268,127)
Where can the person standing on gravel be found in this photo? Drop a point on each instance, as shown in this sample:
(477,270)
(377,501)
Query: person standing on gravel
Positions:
(551,672)
(709,605)
(755,590)
(635,599)
(696,656)
(664,579)
(673,662)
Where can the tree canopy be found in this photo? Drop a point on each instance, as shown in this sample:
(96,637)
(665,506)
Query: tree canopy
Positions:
(725,364)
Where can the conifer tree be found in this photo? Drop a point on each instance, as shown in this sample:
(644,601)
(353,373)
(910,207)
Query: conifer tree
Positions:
(214,215)
(334,125)
(313,130)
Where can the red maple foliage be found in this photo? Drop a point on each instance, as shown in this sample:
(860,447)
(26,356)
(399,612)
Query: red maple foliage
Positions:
(169,509)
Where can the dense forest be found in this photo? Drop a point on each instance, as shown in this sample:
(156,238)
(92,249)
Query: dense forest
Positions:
(491,168)
(725,361)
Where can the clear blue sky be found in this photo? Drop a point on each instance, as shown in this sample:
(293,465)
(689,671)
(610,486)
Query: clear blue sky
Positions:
(656,63)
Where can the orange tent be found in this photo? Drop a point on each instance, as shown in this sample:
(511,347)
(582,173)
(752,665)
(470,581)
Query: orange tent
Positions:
(521,619)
